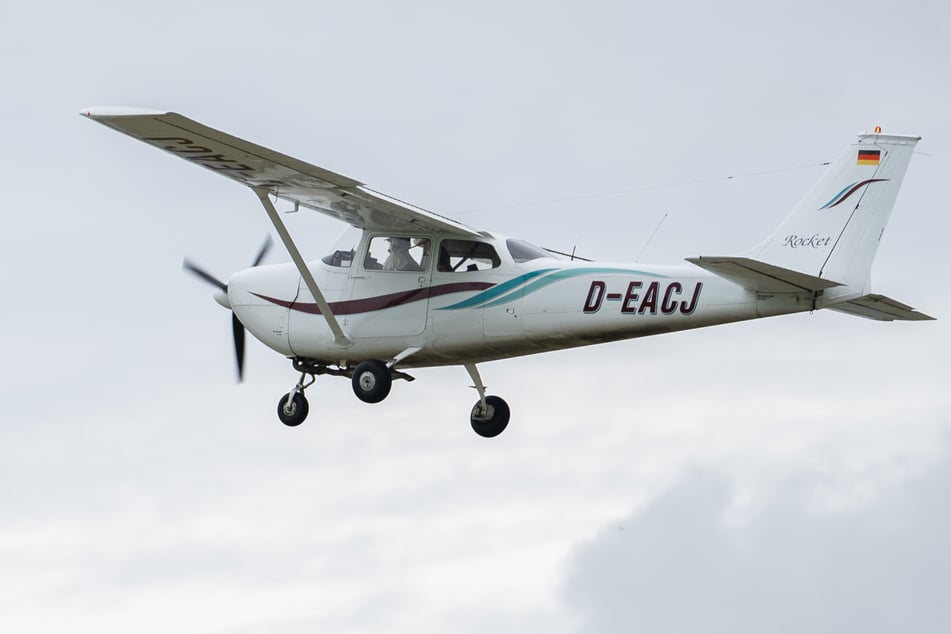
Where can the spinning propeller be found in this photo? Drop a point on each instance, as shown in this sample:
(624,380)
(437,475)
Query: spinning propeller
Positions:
(237,328)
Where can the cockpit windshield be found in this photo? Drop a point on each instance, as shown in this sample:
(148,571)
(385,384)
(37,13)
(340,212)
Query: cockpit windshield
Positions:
(344,248)
(522,251)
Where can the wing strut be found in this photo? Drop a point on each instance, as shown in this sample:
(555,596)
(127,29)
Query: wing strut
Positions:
(339,336)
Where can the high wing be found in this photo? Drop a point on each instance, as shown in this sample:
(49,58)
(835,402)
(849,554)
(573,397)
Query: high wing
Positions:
(266,170)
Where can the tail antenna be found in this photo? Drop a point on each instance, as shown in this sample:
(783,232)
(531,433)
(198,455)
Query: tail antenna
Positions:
(654,233)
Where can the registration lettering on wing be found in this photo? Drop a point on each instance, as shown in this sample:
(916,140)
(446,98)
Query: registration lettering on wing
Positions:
(197,153)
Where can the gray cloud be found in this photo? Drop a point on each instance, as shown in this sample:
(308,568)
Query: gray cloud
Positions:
(790,565)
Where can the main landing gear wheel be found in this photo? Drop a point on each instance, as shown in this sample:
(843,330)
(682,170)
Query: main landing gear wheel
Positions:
(292,409)
(492,421)
(372,381)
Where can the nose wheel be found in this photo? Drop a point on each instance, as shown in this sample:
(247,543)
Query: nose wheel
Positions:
(293,409)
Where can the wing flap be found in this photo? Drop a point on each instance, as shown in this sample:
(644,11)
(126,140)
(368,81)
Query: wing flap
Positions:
(761,277)
(282,176)
(880,308)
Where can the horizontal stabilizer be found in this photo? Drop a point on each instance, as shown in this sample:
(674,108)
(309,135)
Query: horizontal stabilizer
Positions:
(761,277)
(881,308)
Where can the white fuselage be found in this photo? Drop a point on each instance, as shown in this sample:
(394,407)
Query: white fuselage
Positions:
(461,316)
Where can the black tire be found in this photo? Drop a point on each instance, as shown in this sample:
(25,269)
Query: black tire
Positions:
(294,412)
(493,421)
(372,381)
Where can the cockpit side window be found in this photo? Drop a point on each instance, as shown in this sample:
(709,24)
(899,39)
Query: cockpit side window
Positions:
(466,255)
(398,253)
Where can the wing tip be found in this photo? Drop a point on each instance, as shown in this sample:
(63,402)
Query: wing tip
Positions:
(104,112)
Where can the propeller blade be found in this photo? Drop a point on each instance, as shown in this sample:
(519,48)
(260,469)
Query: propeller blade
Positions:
(237,328)
(264,249)
(211,279)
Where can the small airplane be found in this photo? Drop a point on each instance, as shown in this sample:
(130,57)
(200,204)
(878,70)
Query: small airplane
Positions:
(407,288)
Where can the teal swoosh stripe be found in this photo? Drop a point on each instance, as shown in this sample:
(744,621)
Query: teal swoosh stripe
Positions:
(509,291)
(836,197)
(495,291)
(557,277)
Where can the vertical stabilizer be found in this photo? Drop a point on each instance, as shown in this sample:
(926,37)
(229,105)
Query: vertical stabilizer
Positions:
(834,231)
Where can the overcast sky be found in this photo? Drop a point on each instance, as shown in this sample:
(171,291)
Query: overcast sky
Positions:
(783,475)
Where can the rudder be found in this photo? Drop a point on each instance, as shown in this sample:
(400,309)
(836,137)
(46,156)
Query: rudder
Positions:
(834,231)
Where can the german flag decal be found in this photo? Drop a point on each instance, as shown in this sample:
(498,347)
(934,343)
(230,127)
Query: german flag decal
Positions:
(869,157)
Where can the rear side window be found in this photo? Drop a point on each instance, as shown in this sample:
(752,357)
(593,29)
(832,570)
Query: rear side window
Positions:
(525,252)
(460,256)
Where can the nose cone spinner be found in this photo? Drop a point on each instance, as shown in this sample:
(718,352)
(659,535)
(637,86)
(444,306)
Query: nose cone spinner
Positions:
(221,296)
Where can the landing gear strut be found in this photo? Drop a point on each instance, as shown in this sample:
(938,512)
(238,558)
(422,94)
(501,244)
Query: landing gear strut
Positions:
(490,414)
(372,380)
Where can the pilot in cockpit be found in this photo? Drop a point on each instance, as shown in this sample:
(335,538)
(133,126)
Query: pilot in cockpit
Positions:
(399,258)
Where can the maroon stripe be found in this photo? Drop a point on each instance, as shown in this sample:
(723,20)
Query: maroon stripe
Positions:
(380,302)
